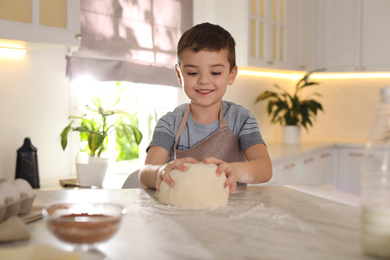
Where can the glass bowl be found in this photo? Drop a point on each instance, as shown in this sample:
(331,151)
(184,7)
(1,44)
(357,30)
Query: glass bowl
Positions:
(83,223)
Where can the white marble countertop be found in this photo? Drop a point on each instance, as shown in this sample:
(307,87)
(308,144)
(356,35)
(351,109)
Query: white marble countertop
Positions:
(263,222)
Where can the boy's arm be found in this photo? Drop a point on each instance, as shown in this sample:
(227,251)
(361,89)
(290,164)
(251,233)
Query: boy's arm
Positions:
(156,168)
(156,157)
(257,168)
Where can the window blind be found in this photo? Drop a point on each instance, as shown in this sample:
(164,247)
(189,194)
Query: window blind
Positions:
(130,40)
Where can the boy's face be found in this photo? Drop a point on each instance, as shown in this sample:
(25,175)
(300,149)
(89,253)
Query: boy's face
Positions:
(205,76)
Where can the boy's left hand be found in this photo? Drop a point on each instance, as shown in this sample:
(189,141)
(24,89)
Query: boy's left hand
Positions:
(224,167)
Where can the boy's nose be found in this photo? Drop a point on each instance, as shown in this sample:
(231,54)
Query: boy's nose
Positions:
(203,79)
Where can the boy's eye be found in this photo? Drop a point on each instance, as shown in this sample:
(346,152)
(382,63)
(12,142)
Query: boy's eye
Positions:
(215,73)
(191,73)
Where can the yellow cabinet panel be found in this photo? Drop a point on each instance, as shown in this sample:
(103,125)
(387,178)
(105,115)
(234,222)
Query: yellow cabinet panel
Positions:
(16,10)
(53,13)
(267,31)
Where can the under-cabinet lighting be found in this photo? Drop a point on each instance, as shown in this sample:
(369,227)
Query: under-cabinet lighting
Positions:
(272,74)
(345,75)
(322,75)
(12,53)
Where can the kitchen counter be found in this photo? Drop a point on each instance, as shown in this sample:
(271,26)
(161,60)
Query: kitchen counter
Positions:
(259,222)
(279,151)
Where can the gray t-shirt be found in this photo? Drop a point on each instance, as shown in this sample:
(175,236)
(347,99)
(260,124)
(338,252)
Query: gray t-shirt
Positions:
(240,120)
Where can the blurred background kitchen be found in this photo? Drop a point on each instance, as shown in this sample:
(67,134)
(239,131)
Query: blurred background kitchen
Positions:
(277,42)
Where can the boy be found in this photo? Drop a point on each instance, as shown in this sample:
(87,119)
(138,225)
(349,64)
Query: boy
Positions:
(208,129)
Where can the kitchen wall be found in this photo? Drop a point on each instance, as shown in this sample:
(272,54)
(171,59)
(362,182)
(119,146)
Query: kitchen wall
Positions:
(34,102)
(349,106)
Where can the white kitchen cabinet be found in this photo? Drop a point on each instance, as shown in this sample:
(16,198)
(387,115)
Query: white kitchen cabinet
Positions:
(375,35)
(40,22)
(348,168)
(276,34)
(354,35)
(268,33)
(320,164)
(305,169)
(284,172)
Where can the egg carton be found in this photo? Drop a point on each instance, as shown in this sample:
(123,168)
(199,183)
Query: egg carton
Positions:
(16,198)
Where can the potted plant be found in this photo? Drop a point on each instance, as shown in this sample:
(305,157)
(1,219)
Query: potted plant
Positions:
(291,110)
(95,125)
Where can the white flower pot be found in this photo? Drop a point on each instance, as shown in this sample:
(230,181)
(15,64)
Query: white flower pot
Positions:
(92,171)
(291,134)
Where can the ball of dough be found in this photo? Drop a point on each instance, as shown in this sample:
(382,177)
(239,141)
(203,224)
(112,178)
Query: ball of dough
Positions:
(197,187)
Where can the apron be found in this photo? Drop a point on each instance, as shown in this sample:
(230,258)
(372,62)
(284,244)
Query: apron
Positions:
(222,144)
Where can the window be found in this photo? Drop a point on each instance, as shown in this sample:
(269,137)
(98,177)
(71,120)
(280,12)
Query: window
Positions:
(147,102)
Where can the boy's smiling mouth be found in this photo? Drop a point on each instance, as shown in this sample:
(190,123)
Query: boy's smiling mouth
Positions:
(204,91)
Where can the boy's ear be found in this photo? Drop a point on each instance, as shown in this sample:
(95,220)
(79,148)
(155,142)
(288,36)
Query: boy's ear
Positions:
(178,74)
(233,75)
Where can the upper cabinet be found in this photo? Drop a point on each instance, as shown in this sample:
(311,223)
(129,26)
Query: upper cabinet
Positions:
(277,36)
(41,22)
(354,35)
(268,33)
(375,54)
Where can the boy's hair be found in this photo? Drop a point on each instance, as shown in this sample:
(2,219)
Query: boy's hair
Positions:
(208,37)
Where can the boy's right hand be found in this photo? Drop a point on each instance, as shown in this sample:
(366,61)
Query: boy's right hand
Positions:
(164,170)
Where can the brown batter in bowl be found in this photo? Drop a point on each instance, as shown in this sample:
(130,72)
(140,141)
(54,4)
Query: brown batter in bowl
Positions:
(88,223)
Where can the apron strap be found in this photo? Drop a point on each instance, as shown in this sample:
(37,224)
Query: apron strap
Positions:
(182,125)
(222,123)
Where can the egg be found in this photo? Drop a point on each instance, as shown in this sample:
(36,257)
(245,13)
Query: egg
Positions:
(9,191)
(24,187)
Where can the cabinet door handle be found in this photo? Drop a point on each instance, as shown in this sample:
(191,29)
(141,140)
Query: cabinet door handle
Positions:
(307,160)
(325,155)
(289,166)
(356,154)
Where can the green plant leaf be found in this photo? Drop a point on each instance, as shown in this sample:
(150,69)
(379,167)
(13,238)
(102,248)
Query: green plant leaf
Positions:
(131,132)
(64,135)
(94,126)
(137,134)
(95,142)
(265,95)
(278,87)
(131,117)
(81,129)
(308,84)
